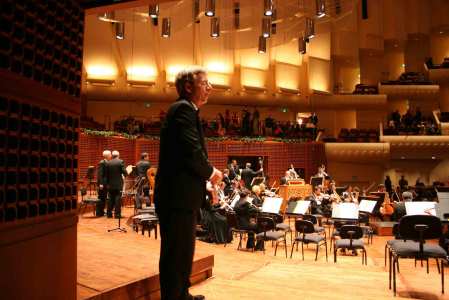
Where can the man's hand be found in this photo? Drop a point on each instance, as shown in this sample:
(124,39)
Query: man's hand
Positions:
(100,186)
(216,176)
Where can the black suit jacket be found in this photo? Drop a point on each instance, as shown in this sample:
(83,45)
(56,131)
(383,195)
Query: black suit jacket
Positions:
(248,175)
(183,163)
(101,172)
(142,167)
(233,172)
(115,168)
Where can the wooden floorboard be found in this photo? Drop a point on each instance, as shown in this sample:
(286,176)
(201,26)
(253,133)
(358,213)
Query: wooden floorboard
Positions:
(106,260)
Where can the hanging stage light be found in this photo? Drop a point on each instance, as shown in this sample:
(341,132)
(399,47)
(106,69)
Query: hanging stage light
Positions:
(107,16)
(236,15)
(262,44)
(210,8)
(153,11)
(266,27)
(215,27)
(268,7)
(119,30)
(165,28)
(302,46)
(310,29)
(320,8)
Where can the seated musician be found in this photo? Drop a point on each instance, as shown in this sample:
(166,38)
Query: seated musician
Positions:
(398,207)
(292,172)
(321,171)
(284,180)
(316,200)
(244,211)
(349,195)
(212,220)
(257,196)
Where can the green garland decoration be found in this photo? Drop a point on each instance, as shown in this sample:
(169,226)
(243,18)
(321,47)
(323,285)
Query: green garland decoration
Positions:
(244,139)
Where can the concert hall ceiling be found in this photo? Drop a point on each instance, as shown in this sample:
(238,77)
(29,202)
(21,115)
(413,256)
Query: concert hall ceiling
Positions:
(126,56)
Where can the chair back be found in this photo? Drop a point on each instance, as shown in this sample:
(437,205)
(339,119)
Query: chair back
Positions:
(420,227)
(276,217)
(265,224)
(231,219)
(310,218)
(352,232)
(304,227)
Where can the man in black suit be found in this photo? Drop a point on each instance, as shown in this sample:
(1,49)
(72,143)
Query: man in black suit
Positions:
(102,183)
(180,187)
(142,180)
(248,174)
(115,170)
(227,181)
(233,169)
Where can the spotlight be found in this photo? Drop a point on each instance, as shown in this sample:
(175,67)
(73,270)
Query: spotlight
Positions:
(153,11)
(310,29)
(215,27)
(120,30)
(210,8)
(337,7)
(268,7)
(262,44)
(302,48)
(165,28)
(107,17)
(320,8)
(273,24)
(266,27)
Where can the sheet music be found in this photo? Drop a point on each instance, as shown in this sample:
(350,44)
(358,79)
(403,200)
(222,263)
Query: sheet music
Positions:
(129,169)
(420,208)
(367,206)
(345,211)
(272,205)
(443,205)
(301,207)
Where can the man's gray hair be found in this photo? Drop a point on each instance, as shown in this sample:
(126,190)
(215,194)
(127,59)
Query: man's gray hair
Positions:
(115,154)
(106,153)
(187,75)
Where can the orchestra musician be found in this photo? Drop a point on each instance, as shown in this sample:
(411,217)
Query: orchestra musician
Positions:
(321,171)
(244,211)
(350,196)
(318,199)
(142,180)
(293,174)
(102,183)
(234,171)
(256,195)
(115,171)
(227,182)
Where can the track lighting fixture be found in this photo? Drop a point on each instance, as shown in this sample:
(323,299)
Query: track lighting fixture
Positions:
(215,27)
(262,44)
(310,29)
(165,28)
(302,45)
(320,8)
(119,30)
(266,27)
(210,8)
(268,8)
(153,11)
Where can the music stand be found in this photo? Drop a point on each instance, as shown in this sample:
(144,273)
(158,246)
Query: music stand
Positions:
(298,207)
(272,205)
(421,208)
(119,228)
(345,211)
(316,180)
(367,206)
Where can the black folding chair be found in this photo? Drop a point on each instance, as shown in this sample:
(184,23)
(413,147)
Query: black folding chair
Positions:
(266,226)
(417,228)
(233,225)
(305,234)
(351,239)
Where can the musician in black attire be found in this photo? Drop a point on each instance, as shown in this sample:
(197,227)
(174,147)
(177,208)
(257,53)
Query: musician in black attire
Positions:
(227,181)
(248,174)
(244,211)
(142,180)
(102,183)
(233,169)
(115,170)
(180,187)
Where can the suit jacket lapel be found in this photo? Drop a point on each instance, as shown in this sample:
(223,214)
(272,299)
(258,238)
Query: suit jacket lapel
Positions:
(200,131)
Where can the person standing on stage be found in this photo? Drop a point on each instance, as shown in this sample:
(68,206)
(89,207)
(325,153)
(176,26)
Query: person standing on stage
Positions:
(180,187)
(102,183)
(142,180)
(115,170)
(233,170)
(248,175)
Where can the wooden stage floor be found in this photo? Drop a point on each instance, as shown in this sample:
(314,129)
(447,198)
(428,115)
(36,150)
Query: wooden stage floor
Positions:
(110,260)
